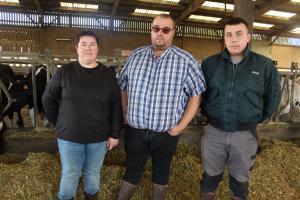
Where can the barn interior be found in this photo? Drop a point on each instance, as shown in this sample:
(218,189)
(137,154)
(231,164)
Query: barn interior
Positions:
(35,32)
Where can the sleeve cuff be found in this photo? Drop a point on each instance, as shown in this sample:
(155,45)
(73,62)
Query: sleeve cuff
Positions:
(115,134)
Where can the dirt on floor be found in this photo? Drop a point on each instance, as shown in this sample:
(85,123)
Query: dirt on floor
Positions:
(276,175)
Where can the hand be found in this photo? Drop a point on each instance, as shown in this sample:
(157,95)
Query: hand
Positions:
(176,130)
(111,143)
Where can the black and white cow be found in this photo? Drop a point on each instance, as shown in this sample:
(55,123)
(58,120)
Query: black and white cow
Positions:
(285,111)
(7,77)
(41,80)
(18,90)
(22,92)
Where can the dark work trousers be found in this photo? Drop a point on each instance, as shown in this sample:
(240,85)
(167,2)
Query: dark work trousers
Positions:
(140,144)
(236,150)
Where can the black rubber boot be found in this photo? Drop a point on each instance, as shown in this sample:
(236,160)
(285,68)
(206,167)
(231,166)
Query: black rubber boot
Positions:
(207,196)
(57,198)
(126,191)
(91,196)
(239,189)
(235,198)
(158,191)
(209,184)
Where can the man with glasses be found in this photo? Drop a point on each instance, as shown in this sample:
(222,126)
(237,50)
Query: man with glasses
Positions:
(160,89)
(243,90)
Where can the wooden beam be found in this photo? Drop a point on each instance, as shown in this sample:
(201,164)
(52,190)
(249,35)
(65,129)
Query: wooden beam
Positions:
(111,23)
(152,5)
(189,10)
(268,5)
(295,23)
(245,10)
(290,35)
(38,5)
(113,13)
(290,7)
(115,8)
(267,20)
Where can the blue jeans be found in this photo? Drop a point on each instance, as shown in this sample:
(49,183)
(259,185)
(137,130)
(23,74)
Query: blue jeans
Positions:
(76,158)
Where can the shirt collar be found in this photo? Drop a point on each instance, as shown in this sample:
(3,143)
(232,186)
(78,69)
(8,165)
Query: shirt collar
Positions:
(163,54)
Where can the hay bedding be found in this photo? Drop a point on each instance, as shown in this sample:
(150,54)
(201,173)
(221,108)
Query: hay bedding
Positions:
(276,175)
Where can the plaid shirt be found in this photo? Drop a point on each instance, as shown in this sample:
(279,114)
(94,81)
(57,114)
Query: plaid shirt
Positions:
(158,89)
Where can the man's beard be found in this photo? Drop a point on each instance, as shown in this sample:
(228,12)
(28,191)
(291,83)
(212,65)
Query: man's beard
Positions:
(159,45)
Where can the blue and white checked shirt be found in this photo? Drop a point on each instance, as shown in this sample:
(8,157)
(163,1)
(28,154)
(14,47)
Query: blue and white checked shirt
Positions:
(158,89)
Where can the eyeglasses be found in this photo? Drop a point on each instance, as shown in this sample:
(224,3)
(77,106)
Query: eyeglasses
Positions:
(165,30)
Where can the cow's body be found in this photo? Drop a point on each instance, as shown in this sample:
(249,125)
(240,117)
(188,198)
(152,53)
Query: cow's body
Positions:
(22,92)
(285,111)
(41,80)
(7,77)
(7,74)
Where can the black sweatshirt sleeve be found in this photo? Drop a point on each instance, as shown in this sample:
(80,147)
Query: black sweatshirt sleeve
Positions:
(116,109)
(52,96)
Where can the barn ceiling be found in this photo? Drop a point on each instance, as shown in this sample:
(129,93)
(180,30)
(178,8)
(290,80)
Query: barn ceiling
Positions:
(181,11)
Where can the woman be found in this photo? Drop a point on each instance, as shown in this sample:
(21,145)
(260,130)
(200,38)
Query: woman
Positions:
(82,101)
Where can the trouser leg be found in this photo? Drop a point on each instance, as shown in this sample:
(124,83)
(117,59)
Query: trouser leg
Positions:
(243,146)
(214,156)
(94,157)
(163,147)
(137,150)
(72,158)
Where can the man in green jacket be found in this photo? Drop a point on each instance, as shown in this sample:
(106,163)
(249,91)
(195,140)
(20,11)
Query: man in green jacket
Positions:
(243,89)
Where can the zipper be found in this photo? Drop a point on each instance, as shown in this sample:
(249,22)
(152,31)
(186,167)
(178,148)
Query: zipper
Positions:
(234,66)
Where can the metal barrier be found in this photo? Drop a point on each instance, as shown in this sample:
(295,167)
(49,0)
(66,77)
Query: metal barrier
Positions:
(51,61)
(288,77)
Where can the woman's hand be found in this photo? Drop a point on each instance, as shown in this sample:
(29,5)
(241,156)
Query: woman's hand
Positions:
(111,143)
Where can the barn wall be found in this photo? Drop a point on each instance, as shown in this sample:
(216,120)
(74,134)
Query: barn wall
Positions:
(285,55)
(41,39)
(108,41)
(202,48)
(198,47)
(261,47)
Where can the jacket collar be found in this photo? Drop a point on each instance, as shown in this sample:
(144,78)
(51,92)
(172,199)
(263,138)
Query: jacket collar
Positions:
(226,54)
